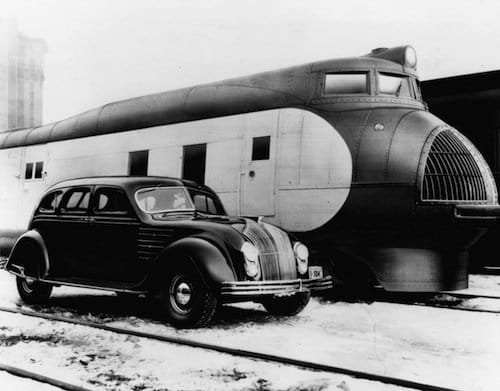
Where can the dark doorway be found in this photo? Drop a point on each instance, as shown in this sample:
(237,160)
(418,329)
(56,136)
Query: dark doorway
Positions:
(138,163)
(193,163)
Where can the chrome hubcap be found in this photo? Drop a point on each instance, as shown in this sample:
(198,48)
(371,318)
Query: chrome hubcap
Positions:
(181,294)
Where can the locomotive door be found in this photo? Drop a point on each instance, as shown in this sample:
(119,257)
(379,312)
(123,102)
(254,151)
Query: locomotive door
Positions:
(259,164)
(10,188)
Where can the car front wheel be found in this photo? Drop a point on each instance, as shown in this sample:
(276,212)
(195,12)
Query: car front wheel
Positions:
(287,305)
(186,300)
(32,291)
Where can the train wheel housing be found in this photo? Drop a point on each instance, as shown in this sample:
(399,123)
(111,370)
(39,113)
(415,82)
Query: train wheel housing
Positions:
(186,300)
(287,305)
(32,291)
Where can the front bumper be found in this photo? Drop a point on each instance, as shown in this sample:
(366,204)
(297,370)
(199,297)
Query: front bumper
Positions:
(234,290)
(477,212)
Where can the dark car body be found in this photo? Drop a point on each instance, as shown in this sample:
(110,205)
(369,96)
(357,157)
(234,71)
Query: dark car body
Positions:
(98,233)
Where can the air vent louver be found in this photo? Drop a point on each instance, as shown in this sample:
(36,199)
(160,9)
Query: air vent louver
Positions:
(451,172)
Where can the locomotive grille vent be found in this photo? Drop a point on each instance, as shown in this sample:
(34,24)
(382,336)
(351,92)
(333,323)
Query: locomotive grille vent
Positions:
(451,172)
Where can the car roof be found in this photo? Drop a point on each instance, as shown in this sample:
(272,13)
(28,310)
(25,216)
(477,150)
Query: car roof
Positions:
(129,182)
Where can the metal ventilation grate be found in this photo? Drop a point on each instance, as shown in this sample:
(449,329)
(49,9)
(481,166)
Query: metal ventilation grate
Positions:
(451,172)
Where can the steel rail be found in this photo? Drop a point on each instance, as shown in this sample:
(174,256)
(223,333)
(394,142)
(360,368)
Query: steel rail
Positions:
(386,297)
(470,295)
(442,306)
(238,352)
(19,372)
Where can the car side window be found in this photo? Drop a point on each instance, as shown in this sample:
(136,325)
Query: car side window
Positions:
(111,201)
(206,204)
(50,202)
(76,200)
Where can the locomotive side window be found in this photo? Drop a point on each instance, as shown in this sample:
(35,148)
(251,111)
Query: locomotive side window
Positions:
(260,148)
(138,163)
(33,170)
(28,173)
(394,85)
(38,170)
(346,83)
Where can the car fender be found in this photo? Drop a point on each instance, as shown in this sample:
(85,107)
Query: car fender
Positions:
(29,256)
(213,266)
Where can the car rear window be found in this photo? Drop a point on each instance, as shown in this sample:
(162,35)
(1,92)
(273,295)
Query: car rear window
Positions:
(49,202)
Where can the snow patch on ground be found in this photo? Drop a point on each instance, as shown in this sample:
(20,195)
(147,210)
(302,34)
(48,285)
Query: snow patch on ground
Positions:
(15,383)
(443,347)
(105,361)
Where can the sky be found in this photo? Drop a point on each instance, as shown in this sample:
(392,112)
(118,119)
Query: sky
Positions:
(101,51)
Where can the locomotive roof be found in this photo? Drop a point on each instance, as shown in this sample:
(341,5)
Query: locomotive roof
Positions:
(289,87)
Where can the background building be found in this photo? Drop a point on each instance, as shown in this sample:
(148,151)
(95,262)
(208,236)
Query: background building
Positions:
(21,77)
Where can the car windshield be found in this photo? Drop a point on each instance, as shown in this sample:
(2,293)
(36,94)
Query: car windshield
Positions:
(163,199)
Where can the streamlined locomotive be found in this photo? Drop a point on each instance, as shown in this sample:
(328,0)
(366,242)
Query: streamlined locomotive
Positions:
(342,152)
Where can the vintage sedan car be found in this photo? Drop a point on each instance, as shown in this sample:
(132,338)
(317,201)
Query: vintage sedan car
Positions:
(166,237)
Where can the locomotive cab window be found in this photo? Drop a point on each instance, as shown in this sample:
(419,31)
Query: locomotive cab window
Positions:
(396,85)
(346,83)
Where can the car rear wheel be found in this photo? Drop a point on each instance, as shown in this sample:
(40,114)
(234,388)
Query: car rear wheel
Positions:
(287,305)
(32,291)
(186,300)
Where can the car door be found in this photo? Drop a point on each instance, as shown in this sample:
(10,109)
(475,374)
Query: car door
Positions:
(69,235)
(114,237)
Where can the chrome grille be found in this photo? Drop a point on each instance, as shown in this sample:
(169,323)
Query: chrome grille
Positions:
(452,172)
(277,260)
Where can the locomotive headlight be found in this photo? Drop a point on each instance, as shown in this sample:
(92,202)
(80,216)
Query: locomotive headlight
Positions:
(302,257)
(410,57)
(251,254)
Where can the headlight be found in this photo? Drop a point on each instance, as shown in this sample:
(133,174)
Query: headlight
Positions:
(251,254)
(410,57)
(302,257)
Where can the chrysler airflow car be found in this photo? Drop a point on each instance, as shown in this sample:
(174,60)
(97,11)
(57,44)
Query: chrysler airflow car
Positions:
(165,237)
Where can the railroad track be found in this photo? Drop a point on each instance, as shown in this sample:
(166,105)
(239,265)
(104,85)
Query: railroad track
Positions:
(20,372)
(430,301)
(310,365)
